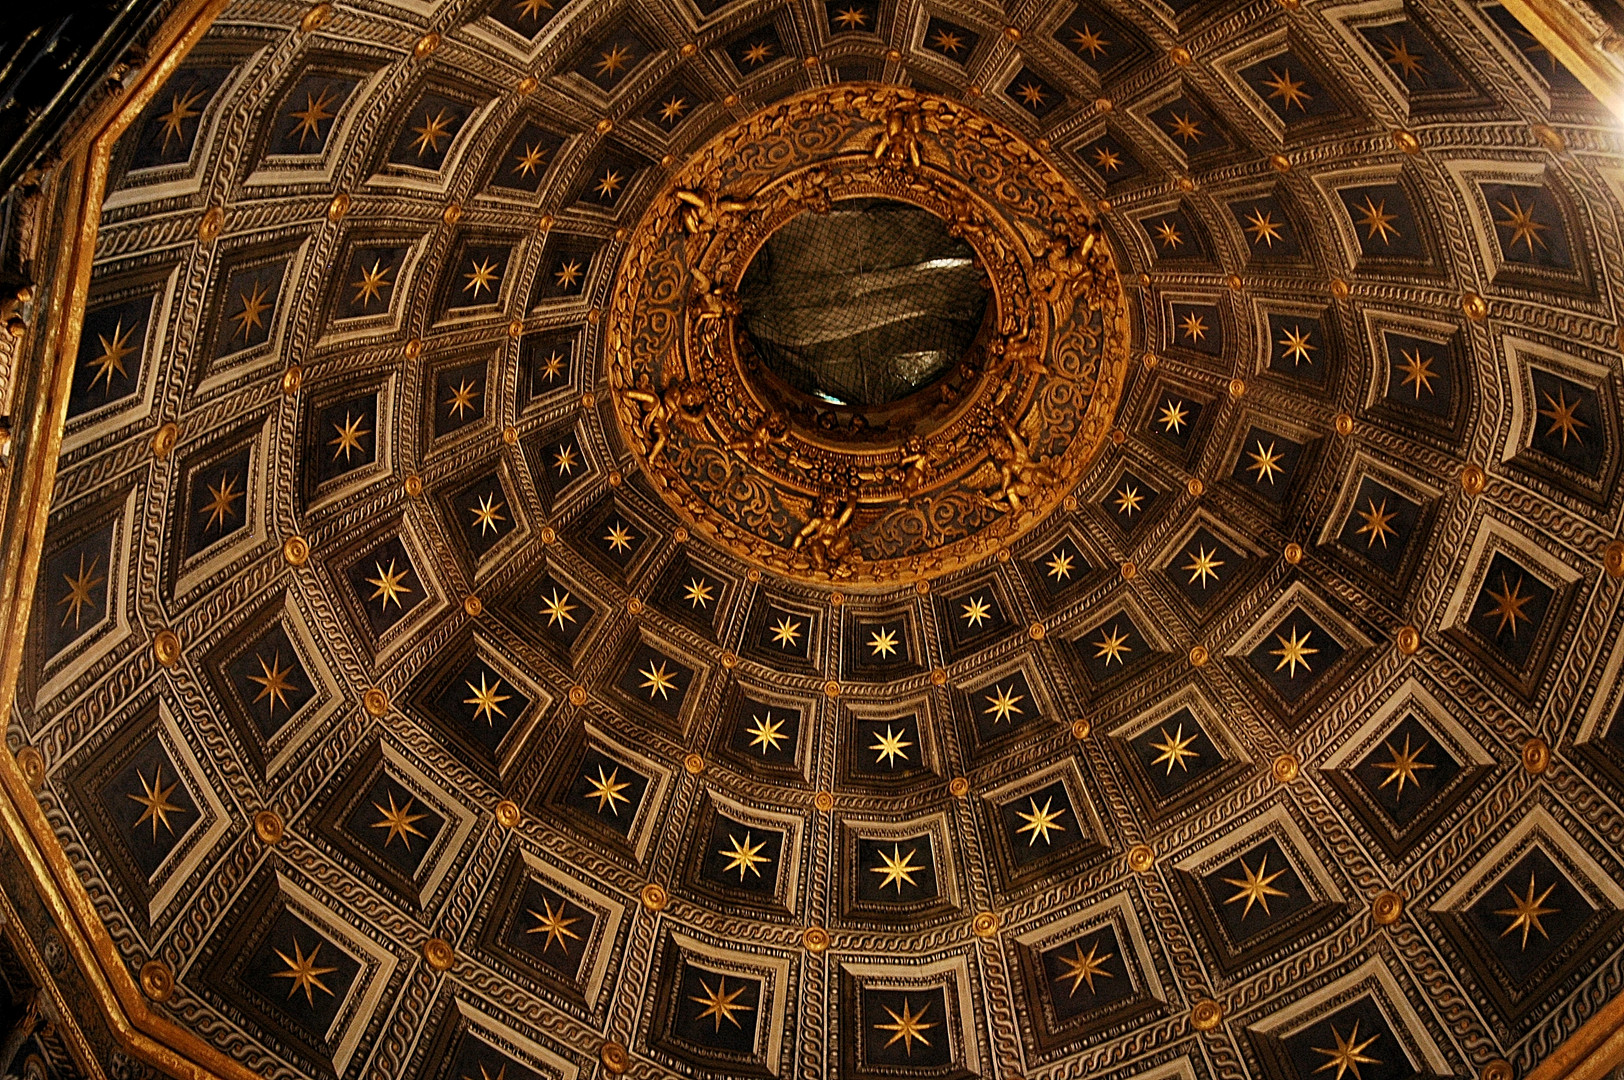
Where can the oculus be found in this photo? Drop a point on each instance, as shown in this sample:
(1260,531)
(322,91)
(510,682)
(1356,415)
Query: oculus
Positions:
(842,362)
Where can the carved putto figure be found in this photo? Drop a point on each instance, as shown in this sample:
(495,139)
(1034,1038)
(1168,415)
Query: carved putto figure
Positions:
(705,210)
(1019,475)
(680,402)
(824,536)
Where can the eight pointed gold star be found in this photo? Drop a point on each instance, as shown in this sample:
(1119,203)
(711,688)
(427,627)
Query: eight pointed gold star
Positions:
(607,789)
(1004,703)
(1264,229)
(399,820)
(888,748)
(1527,911)
(80,586)
(462,398)
(1264,462)
(657,680)
(1560,412)
(1113,645)
(976,611)
(303,971)
(487,513)
(742,855)
(787,633)
(1348,1054)
(154,802)
(1040,822)
(719,1003)
(554,925)
(897,869)
(222,502)
(1376,522)
(487,702)
(312,116)
(431,131)
(273,681)
(883,642)
(1377,222)
(908,1026)
(1403,766)
(350,434)
(390,585)
(558,609)
(373,283)
(1294,649)
(1203,565)
(1174,749)
(111,358)
(180,111)
(1520,220)
(254,306)
(1290,91)
(1255,887)
(766,732)
(1081,969)
(1296,346)
(1417,371)
(1508,605)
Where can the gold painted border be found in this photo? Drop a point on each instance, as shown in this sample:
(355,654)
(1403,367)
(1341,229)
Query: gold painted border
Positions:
(72,210)
(1589,1054)
(1571,39)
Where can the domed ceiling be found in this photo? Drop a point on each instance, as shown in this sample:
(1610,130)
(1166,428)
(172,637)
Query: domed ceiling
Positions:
(403,717)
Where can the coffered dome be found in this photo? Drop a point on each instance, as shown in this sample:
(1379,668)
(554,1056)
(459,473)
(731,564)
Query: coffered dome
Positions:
(864,539)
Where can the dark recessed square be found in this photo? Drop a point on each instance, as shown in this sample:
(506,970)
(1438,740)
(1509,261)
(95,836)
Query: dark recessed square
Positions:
(852,16)
(764,732)
(1356,1034)
(1040,824)
(1413,59)
(304,123)
(1034,93)
(785,633)
(607,791)
(718,1011)
(527,18)
(668,109)
(475,277)
(483,514)
(149,806)
(607,179)
(168,128)
(1197,327)
(973,616)
(1189,126)
(904,1029)
(1529,225)
(1112,648)
(482,704)
(1290,90)
(1003,706)
(1384,221)
(1406,771)
(1293,656)
(1204,567)
(1174,418)
(112,348)
(386,584)
(565,266)
(1059,567)
(886,747)
(394,825)
(755,49)
(1111,159)
(217,498)
(549,358)
(247,307)
(656,680)
(428,130)
(741,857)
(618,539)
(1568,424)
(1420,375)
(346,437)
(525,163)
(1297,348)
(270,682)
(1267,464)
(1255,892)
(1173,236)
(949,39)
(551,929)
(459,397)
(1175,753)
(607,64)
(1380,525)
(896,871)
(1086,973)
(1510,607)
(1129,501)
(373,271)
(881,646)
(73,592)
(301,974)
(1530,912)
(1269,230)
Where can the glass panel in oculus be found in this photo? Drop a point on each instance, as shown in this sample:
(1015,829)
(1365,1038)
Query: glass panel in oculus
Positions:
(863,305)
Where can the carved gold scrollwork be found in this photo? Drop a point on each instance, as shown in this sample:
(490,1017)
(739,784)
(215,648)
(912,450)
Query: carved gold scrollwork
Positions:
(821,495)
